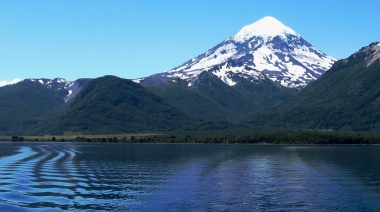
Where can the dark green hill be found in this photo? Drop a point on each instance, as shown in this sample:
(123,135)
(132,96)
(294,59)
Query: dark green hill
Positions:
(22,105)
(113,105)
(347,97)
(211,99)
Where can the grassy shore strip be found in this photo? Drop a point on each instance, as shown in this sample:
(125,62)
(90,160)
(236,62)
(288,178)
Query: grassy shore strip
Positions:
(232,136)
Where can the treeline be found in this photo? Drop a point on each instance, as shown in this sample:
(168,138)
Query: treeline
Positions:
(272,138)
(246,137)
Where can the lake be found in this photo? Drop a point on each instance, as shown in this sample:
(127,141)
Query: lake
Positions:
(188,177)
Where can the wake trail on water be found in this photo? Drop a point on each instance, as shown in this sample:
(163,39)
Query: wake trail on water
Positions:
(63,177)
(39,176)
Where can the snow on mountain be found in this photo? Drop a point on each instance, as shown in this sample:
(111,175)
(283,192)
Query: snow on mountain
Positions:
(14,81)
(267,27)
(264,49)
(72,87)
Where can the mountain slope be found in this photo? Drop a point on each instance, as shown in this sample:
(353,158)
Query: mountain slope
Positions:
(347,97)
(211,99)
(23,104)
(113,105)
(264,49)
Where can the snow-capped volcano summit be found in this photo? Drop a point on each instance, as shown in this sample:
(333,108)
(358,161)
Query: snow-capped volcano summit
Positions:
(264,49)
(267,27)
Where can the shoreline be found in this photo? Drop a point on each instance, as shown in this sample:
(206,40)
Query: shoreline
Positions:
(216,137)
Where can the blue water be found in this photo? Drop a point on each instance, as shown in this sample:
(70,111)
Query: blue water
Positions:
(188,177)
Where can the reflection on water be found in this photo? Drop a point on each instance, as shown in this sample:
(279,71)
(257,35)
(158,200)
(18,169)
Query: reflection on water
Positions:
(170,177)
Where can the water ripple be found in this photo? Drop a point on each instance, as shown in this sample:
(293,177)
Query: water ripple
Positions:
(65,176)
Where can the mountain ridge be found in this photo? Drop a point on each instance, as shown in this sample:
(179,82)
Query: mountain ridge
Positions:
(346,98)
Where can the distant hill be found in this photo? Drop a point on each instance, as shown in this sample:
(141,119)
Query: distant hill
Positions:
(113,105)
(105,105)
(24,104)
(346,97)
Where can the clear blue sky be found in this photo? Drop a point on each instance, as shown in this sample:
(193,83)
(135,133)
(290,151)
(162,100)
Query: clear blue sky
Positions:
(130,39)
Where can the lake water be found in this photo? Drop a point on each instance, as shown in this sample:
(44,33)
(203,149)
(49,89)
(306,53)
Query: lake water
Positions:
(188,177)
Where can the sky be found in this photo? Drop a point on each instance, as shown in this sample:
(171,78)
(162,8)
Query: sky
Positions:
(131,39)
